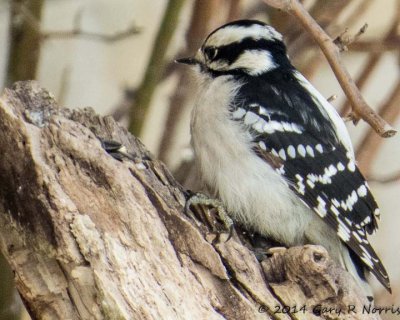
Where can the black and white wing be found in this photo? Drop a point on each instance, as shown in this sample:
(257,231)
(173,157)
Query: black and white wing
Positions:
(292,123)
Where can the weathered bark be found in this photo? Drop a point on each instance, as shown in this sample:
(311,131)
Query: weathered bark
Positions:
(89,237)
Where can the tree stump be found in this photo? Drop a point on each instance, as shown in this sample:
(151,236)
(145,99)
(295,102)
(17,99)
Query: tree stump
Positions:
(90,237)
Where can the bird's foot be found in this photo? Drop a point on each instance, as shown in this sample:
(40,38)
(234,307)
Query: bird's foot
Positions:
(199,199)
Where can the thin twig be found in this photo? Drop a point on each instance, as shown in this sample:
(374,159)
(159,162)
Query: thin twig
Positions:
(378,46)
(373,60)
(343,42)
(331,52)
(108,38)
(308,69)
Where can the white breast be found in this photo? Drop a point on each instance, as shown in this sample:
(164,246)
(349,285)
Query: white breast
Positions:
(251,190)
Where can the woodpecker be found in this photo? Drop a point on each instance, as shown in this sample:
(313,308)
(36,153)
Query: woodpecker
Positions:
(275,152)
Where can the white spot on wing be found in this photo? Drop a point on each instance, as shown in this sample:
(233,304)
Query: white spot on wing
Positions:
(319,148)
(362,191)
(335,211)
(296,128)
(301,150)
(280,170)
(263,111)
(351,200)
(340,166)
(366,221)
(282,154)
(287,127)
(321,207)
(311,184)
(343,231)
(268,128)
(355,234)
(276,126)
(291,151)
(300,185)
(259,125)
(366,253)
(336,203)
(310,151)
(238,113)
(250,118)
(351,166)
(262,145)
(332,170)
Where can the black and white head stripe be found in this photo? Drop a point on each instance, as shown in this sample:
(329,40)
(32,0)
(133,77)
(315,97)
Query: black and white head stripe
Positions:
(237,31)
(249,46)
(289,122)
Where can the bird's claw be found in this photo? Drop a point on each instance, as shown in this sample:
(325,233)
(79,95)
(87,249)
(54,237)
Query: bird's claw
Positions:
(194,199)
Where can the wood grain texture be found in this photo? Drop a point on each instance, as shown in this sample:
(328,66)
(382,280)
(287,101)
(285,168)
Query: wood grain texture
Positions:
(89,237)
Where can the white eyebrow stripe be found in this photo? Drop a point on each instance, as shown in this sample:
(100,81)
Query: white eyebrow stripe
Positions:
(231,34)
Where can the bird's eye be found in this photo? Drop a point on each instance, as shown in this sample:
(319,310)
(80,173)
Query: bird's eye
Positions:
(210,52)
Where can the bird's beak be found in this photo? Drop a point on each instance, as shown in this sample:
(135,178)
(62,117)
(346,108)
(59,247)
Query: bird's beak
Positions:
(189,61)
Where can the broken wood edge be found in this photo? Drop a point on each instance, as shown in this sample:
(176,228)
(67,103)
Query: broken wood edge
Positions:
(88,236)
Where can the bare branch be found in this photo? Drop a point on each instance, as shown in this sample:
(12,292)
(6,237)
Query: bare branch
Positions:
(378,46)
(391,41)
(329,12)
(373,59)
(108,38)
(331,51)
(343,42)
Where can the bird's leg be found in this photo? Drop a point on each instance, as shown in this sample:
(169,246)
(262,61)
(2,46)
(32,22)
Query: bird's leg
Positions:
(199,199)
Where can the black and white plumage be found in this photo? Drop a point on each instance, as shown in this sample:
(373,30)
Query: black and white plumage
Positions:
(275,152)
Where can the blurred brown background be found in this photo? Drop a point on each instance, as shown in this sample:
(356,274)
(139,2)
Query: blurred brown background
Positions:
(117,56)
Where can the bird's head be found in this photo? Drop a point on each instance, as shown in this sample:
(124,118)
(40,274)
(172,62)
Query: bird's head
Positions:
(245,46)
